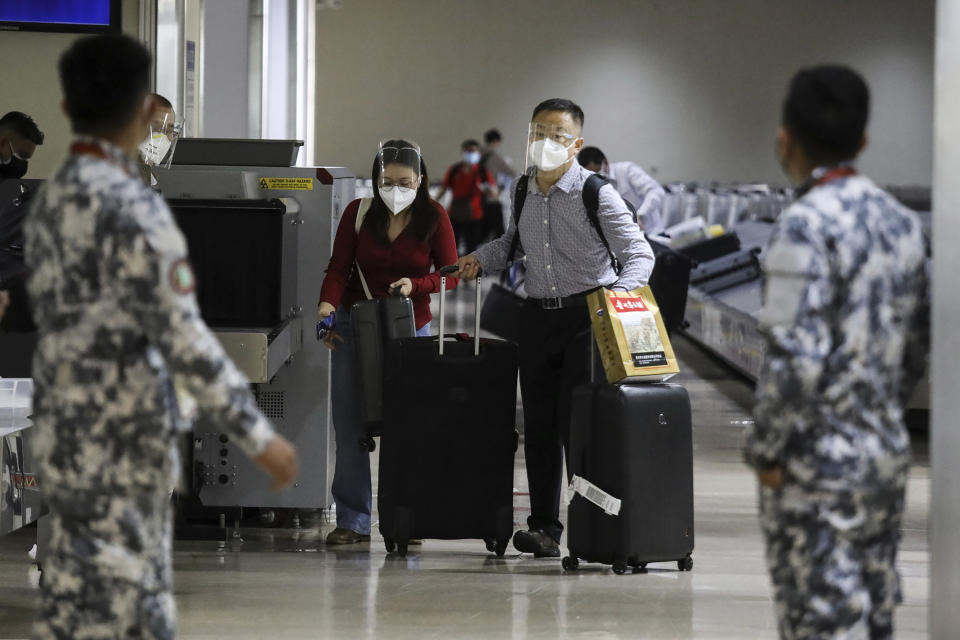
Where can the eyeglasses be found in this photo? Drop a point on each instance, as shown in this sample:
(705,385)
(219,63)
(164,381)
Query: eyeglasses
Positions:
(325,326)
(167,127)
(560,137)
(406,183)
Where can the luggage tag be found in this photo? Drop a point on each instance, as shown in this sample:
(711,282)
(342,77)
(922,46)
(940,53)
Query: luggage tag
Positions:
(596,495)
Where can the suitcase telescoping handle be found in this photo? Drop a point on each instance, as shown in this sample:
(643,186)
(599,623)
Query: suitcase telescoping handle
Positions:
(444,272)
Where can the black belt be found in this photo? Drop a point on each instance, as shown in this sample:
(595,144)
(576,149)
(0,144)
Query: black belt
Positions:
(566,302)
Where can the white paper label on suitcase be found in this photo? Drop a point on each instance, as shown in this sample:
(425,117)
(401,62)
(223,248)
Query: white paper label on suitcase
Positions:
(594,494)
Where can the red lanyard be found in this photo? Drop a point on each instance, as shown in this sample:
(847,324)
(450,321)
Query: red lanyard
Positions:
(95,150)
(88,149)
(828,176)
(834,174)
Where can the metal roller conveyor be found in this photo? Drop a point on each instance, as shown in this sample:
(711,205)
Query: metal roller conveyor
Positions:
(725,322)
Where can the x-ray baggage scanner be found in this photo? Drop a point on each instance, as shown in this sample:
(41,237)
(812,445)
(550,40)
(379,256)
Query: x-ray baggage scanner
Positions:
(259,233)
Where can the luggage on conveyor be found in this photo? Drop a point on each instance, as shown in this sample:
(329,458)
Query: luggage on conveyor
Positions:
(449,438)
(727,271)
(669,282)
(631,460)
(712,248)
(376,324)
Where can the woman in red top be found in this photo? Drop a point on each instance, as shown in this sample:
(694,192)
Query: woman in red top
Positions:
(403,236)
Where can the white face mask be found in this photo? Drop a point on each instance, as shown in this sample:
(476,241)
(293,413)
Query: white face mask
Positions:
(398,198)
(155,148)
(548,154)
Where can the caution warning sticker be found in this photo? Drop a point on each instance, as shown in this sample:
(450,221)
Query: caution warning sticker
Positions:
(288,184)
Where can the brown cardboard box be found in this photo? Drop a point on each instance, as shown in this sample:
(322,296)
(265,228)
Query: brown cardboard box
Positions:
(631,336)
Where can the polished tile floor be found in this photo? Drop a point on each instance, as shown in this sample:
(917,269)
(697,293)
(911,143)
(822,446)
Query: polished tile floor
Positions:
(283,583)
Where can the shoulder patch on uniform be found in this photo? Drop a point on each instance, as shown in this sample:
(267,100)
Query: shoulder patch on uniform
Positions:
(181,276)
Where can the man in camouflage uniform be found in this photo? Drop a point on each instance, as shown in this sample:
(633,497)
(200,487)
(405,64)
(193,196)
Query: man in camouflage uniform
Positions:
(112,292)
(845,321)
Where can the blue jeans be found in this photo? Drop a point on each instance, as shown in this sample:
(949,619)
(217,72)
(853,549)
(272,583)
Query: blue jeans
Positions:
(352,491)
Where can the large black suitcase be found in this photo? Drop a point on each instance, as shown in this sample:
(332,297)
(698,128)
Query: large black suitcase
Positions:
(449,438)
(377,324)
(634,443)
(669,282)
(727,271)
(712,248)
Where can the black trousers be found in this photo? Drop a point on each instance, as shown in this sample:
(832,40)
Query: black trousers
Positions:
(554,358)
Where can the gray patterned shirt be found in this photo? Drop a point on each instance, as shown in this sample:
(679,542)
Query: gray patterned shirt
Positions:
(565,255)
(847,335)
(112,293)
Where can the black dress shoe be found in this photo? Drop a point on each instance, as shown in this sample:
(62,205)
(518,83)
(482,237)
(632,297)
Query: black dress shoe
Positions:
(536,542)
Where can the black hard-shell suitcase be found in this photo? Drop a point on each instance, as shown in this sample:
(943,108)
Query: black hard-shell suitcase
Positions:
(669,282)
(712,248)
(633,442)
(446,454)
(727,271)
(376,325)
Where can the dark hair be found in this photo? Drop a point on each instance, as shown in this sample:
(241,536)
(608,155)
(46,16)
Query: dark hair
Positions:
(424,219)
(104,78)
(162,101)
(590,155)
(22,126)
(492,135)
(826,110)
(466,144)
(561,104)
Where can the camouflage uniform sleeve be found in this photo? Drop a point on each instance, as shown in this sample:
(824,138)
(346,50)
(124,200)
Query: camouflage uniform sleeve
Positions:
(795,322)
(147,258)
(917,346)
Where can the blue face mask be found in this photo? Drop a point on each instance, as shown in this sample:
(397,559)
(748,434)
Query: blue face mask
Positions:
(471,157)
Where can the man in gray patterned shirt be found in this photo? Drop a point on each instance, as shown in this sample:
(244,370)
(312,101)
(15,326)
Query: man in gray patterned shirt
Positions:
(566,258)
(845,321)
(112,292)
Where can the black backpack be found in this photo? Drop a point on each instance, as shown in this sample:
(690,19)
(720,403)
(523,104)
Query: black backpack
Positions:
(591,201)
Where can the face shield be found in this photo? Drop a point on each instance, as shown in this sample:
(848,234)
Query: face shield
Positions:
(549,146)
(157,150)
(399,173)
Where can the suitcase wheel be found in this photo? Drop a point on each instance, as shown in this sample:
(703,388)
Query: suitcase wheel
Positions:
(389,544)
(498,547)
(619,568)
(685,564)
(570,563)
(368,444)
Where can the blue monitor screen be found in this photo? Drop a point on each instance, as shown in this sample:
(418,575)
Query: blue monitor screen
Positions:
(61,14)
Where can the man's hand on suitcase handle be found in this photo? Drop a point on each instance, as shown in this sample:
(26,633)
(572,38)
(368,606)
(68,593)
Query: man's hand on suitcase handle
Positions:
(279,461)
(467,268)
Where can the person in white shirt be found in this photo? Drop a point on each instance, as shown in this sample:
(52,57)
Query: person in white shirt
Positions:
(632,183)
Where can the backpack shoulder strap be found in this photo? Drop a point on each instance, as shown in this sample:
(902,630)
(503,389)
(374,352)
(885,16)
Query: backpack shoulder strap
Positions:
(591,201)
(519,196)
(362,212)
